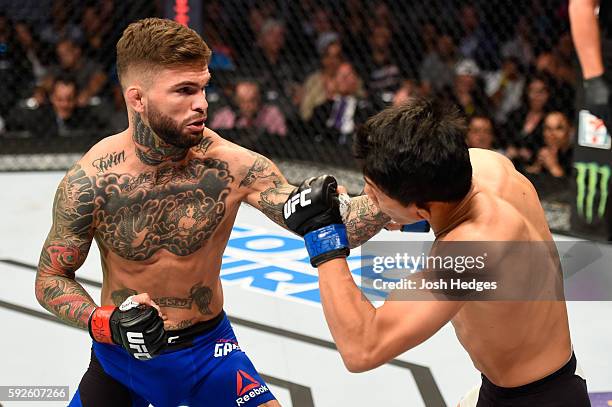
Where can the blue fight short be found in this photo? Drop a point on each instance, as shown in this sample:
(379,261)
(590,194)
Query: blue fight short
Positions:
(202,366)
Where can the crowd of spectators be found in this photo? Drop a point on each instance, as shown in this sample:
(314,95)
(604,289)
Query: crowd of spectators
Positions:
(57,74)
(315,70)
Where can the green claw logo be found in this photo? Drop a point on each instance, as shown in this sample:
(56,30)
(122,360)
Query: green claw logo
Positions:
(589,178)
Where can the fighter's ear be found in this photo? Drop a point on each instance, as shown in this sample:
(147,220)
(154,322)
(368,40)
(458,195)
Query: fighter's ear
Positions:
(134,98)
(423,210)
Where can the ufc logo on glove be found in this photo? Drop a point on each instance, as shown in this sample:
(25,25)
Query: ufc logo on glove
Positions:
(291,204)
(136,341)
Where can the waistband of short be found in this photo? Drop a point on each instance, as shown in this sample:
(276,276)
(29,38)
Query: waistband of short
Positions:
(183,338)
(566,370)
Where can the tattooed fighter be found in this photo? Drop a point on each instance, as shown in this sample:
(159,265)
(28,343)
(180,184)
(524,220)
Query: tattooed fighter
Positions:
(160,199)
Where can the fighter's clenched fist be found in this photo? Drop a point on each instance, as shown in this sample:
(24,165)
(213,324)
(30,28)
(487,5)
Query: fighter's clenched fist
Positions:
(135,325)
(312,210)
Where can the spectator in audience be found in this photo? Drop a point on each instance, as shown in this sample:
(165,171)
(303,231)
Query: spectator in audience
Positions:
(467,91)
(337,118)
(552,170)
(408,90)
(277,73)
(438,68)
(481,132)
(318,86)
(521,45)
(61,118)
(251,114)
(89,76)
(524,125)
(32,50)
(555,156)
(60,27)
(505,88)
(381,70)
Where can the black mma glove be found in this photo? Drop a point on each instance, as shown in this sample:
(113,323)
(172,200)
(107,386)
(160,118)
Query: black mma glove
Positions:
(596,97)
(136,327)
(312,210)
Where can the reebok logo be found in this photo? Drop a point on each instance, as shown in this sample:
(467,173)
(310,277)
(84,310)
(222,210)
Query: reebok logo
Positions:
(247,388)
(136,341)
(290,205)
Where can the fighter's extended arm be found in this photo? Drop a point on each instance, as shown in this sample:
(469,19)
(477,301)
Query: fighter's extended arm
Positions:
(65,250)
(585,32)
(368,337)
(269,190)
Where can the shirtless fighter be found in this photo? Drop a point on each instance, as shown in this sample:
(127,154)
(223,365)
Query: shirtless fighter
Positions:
(160,199)
(417,167)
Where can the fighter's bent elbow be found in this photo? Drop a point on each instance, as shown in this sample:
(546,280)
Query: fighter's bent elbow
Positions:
(358,361)
(355,367)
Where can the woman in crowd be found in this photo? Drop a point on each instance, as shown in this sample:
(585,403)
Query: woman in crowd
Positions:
(555,156)
(524,126)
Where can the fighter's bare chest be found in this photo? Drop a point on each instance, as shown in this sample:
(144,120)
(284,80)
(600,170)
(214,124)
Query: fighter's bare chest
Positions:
(176,208)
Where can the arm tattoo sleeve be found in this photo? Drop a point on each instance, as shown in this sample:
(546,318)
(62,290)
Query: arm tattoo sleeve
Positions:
(272,200)
(65,250)
(363,220)
(269,187)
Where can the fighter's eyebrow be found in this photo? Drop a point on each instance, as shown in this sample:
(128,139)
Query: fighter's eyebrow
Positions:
(186,83)
(190,83)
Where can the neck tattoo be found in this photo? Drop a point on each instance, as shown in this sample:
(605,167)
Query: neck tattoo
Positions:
(150,148)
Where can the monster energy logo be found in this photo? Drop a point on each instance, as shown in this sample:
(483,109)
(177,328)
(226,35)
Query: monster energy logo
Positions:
(589,178)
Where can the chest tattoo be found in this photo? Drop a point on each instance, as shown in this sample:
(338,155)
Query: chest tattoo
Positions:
(175,208)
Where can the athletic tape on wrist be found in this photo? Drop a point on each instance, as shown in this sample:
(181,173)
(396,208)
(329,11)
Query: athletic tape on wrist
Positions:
(327,239)
(99,324)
